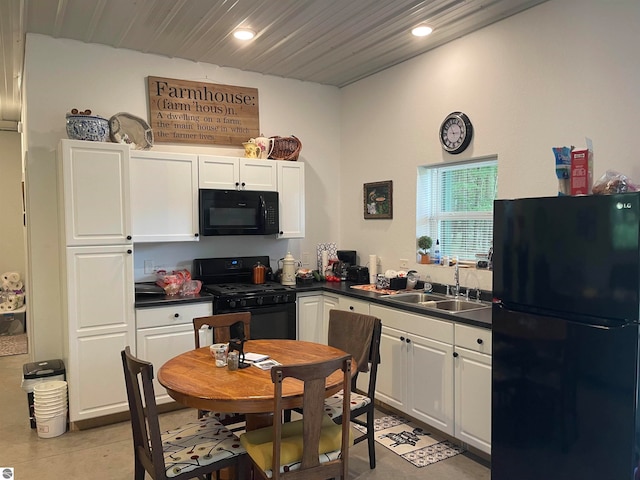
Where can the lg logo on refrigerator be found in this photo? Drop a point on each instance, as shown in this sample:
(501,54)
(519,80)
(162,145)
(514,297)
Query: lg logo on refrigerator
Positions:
(623,206)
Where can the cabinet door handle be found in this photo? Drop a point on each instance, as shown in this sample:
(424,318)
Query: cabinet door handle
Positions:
(351,307)
(196,235)
(243,185)
(480,341)
(408,340)
(402,339)
(455,354)
(176,315)
(128,237)
(129,252)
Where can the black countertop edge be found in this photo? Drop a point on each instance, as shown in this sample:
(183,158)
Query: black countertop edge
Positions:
(478,318)
(148,301)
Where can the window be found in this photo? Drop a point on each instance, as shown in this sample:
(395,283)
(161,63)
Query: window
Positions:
(455,206)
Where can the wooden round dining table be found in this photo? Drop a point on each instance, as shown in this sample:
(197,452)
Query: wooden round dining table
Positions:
(192,379)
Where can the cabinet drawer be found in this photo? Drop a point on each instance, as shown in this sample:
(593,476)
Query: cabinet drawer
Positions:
(473,338)
(353,305)
(171,315)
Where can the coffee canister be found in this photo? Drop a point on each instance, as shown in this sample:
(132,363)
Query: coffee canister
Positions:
(288,270)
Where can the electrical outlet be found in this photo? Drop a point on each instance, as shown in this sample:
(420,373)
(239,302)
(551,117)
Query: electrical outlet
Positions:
(148,267)
(404,263)
(305,259)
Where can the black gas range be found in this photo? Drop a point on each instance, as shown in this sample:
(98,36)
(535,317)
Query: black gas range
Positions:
(228,279)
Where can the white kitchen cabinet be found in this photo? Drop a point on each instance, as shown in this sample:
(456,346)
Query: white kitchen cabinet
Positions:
(351,304)
(473,386)
(98,303)
(164,197)
(329,302)
(231,173)
(415,374)
(96,259)
(291,194)
(309,316)
(165,332)
(94,187)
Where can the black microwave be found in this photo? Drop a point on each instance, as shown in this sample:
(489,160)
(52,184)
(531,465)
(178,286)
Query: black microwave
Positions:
(238,212)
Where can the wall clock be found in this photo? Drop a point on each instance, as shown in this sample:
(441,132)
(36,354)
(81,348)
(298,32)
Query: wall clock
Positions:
(456,132)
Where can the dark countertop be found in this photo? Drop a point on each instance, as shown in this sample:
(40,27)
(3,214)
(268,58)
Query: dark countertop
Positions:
(478,318)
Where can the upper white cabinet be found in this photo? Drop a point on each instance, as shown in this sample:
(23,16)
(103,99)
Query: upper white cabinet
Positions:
(231,173)
(94,185)
(291,194)
(164,197)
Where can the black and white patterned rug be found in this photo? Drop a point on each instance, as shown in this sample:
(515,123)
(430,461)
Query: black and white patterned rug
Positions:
(411,442)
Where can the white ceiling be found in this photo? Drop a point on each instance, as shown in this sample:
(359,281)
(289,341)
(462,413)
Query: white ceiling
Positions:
(333,42)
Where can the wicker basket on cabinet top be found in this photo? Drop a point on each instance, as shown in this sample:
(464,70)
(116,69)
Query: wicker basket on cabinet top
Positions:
(286,148)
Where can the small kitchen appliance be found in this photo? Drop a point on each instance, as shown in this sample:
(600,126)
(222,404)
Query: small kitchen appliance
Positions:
(230,281)
(358,275)
(347,256)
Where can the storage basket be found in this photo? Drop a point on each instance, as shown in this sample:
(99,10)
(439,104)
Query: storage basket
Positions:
(286,148)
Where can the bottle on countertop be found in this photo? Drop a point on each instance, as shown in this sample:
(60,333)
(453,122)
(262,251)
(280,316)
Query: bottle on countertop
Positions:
(436,252)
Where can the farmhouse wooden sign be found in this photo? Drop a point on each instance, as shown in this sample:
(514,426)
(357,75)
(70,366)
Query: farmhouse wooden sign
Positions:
(181,111)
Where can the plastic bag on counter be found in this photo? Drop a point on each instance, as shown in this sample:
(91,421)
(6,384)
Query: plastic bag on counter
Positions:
(613,182)
(172,282)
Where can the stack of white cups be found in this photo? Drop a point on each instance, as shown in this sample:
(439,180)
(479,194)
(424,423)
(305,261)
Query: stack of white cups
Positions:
(50,408)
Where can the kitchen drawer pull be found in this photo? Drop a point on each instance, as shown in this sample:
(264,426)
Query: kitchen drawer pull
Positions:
(176,315)
(351,307)
(480,341)
(455,354)
(129,252)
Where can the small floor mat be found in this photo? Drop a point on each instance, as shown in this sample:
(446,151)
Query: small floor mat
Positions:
(13,344)
(411,442)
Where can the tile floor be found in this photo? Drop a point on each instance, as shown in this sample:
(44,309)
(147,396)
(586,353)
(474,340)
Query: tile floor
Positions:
(105,452)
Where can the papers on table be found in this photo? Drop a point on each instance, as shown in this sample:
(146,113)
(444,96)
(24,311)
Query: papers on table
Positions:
(250,357)
(266,364)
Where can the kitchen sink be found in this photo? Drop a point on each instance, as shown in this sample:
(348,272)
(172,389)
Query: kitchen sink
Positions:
(434,301)
(416,297)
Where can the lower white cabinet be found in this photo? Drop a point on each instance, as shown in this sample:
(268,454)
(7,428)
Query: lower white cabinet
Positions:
(98,303)
(165,332)
(415,374)
(473,386)
(309,316)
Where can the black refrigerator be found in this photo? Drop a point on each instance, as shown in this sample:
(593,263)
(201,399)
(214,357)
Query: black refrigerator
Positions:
(566,287)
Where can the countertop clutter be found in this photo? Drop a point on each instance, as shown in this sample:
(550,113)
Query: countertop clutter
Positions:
(480,318)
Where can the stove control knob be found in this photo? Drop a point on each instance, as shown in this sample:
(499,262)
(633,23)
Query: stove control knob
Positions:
(232,303)
(260,300)
(276,298)
(243,303)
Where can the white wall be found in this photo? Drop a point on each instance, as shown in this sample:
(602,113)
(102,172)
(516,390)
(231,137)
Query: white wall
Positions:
(547,77)
(65,74)
(12,254)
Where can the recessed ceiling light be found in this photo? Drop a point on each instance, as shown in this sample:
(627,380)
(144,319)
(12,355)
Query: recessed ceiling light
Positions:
(421,31)
(244,33)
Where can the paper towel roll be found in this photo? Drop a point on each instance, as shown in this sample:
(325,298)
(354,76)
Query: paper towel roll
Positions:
(9,307)
(373,268)
(325,261)
(3,307)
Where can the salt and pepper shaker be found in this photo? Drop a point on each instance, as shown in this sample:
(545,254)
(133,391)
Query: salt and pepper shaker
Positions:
(233,360)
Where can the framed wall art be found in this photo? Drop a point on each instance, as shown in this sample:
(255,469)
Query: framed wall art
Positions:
(378,200)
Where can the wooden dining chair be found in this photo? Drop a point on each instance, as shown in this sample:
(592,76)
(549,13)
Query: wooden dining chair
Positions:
(313,447)
(358,335)
(193,450)
(225,327)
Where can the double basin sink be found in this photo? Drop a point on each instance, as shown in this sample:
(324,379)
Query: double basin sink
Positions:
(434,301)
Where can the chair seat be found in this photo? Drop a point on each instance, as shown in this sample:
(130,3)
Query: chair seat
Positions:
(259,445)
(333,404)
(195,444)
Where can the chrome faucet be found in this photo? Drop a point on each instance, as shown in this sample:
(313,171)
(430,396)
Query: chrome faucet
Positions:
(456,277)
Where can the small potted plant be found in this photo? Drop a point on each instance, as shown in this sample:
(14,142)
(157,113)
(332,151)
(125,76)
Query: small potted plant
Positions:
(424,244)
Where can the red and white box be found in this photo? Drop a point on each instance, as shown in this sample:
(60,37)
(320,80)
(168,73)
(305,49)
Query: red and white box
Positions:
(581,172)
